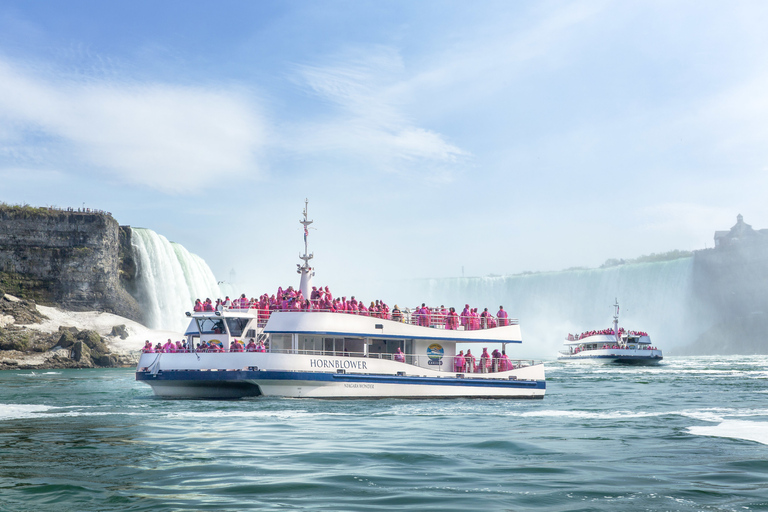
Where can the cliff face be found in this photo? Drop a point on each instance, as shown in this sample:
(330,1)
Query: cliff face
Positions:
(730,289)
(67,258)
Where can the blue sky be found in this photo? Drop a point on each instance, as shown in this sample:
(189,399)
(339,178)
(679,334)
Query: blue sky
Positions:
(497,137)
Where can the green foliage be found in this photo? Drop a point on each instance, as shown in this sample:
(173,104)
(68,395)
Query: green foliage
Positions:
(649,258)
(26,211)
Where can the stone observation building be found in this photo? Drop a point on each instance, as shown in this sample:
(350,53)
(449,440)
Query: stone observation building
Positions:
(741,232)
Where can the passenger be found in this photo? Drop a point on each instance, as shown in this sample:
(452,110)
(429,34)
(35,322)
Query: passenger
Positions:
(207,305)
(484,319)
(465,317)
(148,347)
(158,347)
(397,315)
(198,306)
(227,303)
(423,315)
(251,347)
(219,306)
(496,358)
(452,320)
(460,363)
(503,317)
(471,360)
(399,356)
(485,361)
(261,347)
(505,364)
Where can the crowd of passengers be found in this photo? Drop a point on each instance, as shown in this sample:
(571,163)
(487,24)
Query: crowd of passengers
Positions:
(182,346)
(609,331)
(576,350)
(488,363)
(321,299)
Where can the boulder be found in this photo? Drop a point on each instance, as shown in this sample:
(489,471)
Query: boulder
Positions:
(82,354)
(93,341)
(67,339)
(119,330)
(106,360)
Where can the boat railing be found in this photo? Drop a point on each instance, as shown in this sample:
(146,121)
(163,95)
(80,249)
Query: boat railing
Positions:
(437,318)
(450,364)
(604,346)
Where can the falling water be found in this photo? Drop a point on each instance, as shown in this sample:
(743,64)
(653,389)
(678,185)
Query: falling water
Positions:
(654,297)
(170,279)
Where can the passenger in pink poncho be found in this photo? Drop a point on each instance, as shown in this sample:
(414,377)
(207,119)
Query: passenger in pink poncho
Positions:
(465,317)
(502,316)
(399,356)
(452,320)
(485,361)
(471,360)
(505,364)
(460,363)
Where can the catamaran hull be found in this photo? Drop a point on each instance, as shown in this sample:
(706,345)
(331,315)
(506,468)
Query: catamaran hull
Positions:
(290,384)
(637,358)
(240,375)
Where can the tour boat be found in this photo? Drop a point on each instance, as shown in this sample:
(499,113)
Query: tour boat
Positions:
(324,354)
(611,346)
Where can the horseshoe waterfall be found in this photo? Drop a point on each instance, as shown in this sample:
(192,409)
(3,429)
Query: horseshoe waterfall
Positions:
(169,279)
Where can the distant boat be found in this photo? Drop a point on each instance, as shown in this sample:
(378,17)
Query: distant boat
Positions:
(612,345)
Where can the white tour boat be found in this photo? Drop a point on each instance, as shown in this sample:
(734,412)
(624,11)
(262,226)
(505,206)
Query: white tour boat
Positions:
(611,346)
(324,354)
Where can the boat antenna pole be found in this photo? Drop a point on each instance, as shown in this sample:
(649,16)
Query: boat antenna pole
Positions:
(305,270)
(616,321)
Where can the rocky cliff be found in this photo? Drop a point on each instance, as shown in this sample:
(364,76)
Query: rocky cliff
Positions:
(77,260)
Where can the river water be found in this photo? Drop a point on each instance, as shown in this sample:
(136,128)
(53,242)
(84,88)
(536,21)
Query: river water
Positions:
(690,434)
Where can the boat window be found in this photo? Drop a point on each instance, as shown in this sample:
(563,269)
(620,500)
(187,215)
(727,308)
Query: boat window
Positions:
(236,326)
(385,348)
(211,326)
(310,345)
(192,328)
(354,346)
(251,333)
(280,342)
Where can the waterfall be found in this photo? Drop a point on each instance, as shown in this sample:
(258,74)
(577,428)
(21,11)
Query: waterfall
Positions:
(170,278)
(655,297)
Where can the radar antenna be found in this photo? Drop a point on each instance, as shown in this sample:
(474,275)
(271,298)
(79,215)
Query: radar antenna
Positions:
(305,270)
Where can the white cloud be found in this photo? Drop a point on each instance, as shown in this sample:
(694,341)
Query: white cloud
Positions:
(369,93)
(164,136)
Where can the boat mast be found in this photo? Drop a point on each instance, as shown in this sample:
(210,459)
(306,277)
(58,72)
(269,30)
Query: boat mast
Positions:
(305,270)
(616,321)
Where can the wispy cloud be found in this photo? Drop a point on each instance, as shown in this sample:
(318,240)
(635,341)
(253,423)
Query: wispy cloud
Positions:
(368,93)
(169,137)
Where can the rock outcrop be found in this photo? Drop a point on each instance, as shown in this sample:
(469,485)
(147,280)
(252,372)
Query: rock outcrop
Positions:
(76,260)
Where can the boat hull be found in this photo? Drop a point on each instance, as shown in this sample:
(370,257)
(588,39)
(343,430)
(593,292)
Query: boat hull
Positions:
(291,384)
(638,357)
(228,376)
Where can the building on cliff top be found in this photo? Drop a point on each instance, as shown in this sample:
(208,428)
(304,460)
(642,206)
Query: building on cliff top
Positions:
(740,232)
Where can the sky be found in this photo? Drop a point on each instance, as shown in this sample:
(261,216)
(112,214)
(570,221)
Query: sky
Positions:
(431,138)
